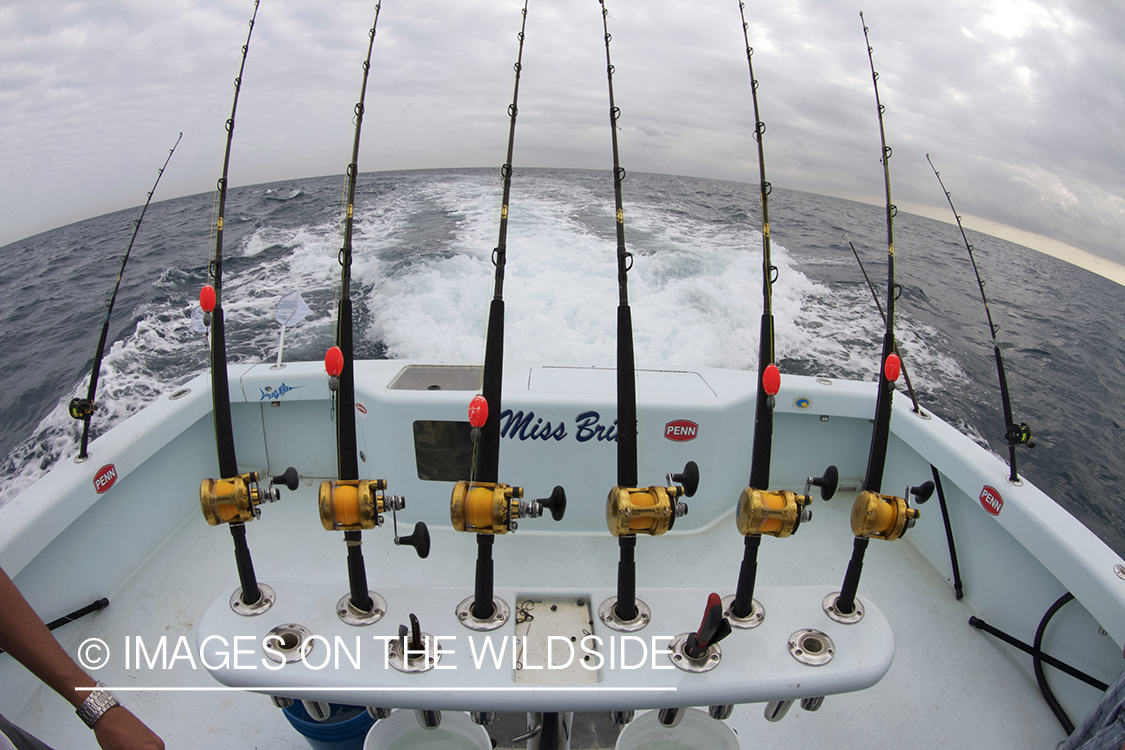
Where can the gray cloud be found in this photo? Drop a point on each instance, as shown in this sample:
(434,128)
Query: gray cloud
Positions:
(1020,103)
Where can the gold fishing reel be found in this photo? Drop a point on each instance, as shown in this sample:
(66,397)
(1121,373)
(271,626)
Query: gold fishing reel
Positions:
(494,508)
(355,504)
(643,510)
(887,517)
(776,514)
(780,513)
(236,500)
(650,510)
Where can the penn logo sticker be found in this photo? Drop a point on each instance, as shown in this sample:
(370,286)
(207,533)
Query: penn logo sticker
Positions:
(991,501)
(681,430)
(105,478)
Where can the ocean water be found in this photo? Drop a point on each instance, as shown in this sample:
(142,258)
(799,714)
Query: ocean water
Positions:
(422,282)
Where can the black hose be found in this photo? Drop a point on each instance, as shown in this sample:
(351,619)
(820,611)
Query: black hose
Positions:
(1037,664)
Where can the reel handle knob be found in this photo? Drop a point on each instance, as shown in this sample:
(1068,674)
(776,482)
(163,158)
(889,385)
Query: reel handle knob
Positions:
(556,503)
(689,478)
(290,478)
(827,483)
(419,540)
(922,492)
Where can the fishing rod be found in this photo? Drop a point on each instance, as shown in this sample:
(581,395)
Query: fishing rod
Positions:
(759,511)
(233,498)
(875,295)
(631,510)
(885,517)
(482,504)
(957,585)
(1016,433)
(350,504)
(83,408)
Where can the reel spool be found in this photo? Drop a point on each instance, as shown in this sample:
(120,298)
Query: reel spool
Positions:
(494,508)
(356,504)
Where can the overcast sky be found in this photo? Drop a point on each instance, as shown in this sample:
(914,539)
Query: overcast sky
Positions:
(1021,104)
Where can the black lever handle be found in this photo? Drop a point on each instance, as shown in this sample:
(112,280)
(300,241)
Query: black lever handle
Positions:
(712,629)
(556,503)
(922,492)
(419,540)
(827,483)
(689,478)
(290,478)
(416,644)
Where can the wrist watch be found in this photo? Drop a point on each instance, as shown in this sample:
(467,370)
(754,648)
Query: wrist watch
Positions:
(97,703)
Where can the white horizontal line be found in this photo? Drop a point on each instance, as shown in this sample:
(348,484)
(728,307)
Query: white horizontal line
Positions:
(303,688)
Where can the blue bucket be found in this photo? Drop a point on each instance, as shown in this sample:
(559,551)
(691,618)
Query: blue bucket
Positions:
(345,728)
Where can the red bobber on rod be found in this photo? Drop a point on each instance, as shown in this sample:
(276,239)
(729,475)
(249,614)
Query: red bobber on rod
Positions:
(771,380)
(334,361)
(207,301)
(892,367)
(478,411)
(333,365)
(207,298)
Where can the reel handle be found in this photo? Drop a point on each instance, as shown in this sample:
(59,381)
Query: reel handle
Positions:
(922,492)
(689,478)
(290,478)
(556,503)
(419,540)
(827,483)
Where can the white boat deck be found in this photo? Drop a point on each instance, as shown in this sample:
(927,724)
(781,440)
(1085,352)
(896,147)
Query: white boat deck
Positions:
(949,685)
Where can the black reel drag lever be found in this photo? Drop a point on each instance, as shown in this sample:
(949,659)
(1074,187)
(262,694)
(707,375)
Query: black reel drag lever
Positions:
(689,479)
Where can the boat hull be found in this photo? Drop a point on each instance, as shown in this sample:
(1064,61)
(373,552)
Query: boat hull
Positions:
(142,542)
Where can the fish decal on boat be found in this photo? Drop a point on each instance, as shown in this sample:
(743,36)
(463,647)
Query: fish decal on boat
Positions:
(275,394)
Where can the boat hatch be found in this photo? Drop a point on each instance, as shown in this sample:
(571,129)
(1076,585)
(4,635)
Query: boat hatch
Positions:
(657,383)
(437,378)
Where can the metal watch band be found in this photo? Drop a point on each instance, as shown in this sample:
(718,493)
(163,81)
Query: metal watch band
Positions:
(97,703)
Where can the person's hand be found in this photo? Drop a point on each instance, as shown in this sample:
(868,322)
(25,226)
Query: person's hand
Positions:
(117,729)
